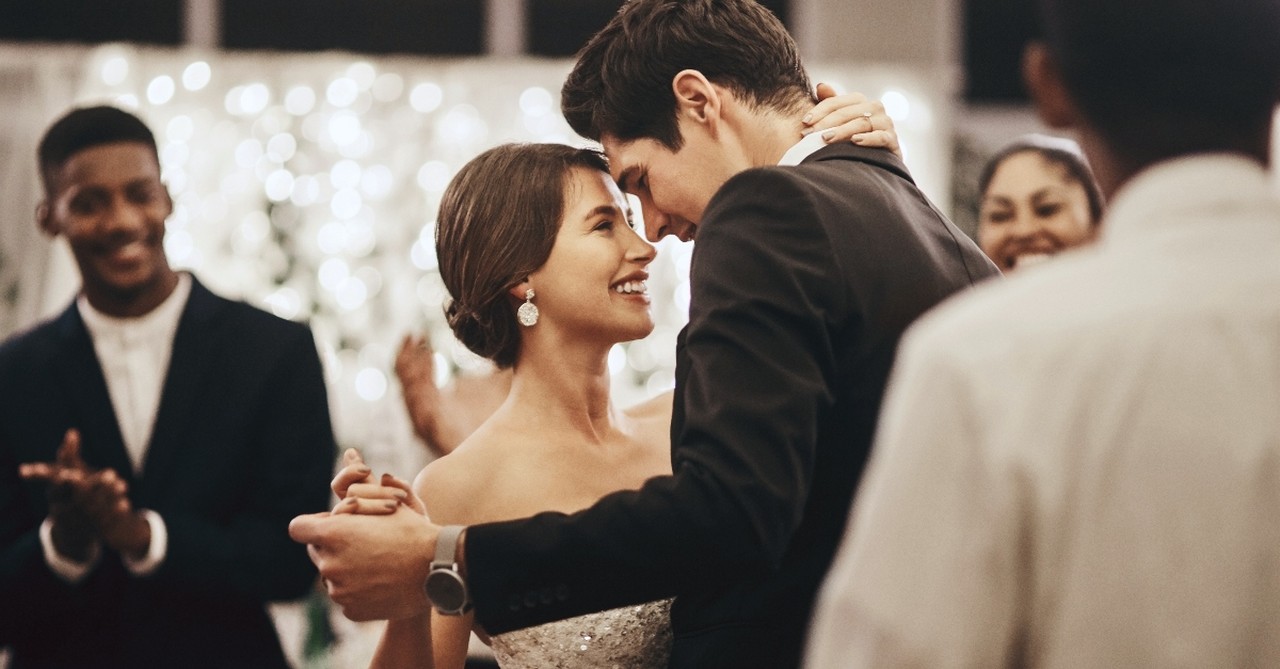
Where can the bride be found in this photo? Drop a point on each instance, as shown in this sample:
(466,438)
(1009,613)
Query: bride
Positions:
(536,247)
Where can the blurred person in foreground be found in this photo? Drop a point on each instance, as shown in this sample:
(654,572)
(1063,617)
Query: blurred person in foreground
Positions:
(1079,466)
(131,532)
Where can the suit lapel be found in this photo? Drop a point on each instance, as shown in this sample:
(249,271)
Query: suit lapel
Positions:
(677,400)
(80,376)
(189,364)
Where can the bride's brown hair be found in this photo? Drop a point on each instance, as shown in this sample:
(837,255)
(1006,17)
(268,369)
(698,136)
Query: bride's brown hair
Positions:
(497,223)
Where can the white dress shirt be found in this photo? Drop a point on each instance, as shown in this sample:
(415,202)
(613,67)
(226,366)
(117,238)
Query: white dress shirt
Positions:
(134,354)
(1080,466)
(802,149)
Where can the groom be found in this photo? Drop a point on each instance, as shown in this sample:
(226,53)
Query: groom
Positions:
(811,261)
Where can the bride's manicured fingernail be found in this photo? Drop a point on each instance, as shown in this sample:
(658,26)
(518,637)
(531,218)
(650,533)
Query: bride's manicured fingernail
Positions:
(808,118)
(826,136)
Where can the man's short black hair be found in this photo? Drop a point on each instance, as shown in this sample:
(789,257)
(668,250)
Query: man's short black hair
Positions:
(86,127)
(621,83)
(1160,78)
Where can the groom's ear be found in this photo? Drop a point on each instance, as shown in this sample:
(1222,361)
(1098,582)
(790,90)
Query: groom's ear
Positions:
(697,99)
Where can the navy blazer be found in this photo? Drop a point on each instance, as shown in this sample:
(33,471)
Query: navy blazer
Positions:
(242,443)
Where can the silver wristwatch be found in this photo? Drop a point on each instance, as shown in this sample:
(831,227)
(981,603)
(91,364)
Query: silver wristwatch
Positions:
(446,589)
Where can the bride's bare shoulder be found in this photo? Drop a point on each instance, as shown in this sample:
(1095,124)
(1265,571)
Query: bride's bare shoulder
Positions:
(656,407)
(452,487)
(651,420)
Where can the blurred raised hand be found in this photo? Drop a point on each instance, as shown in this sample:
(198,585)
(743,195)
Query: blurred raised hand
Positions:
(444,417)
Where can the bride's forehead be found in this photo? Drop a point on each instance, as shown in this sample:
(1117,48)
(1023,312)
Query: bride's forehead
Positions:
(588,188)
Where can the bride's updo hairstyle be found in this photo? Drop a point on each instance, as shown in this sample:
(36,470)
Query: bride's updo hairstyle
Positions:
(497,223)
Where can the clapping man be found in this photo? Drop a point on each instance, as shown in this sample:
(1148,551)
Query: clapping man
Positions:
(132,531)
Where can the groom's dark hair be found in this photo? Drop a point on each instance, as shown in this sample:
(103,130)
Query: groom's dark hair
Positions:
(621,84)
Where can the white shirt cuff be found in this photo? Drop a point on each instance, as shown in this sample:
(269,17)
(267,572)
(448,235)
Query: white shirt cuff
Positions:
(155,552)
(67,569)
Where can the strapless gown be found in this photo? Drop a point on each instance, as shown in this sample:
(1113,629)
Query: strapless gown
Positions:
(632,637)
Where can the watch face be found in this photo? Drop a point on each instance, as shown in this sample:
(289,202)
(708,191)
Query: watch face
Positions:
(446,591)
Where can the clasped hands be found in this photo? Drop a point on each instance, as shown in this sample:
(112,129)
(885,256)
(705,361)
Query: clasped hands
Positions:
(374,548)
(88,506)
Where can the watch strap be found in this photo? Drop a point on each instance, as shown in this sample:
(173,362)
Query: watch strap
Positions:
(447,545)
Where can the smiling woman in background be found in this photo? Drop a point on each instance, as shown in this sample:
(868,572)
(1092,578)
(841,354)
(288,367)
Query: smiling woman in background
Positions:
(1039,197)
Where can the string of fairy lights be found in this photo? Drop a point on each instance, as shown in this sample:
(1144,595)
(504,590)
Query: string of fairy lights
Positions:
(308,184)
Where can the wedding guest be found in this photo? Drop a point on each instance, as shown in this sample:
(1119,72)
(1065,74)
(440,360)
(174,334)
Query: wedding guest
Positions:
(1039,198)
(811,260)
(1077,467)
(131,533)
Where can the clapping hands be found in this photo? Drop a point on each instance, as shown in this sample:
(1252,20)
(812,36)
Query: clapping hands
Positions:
(88,505)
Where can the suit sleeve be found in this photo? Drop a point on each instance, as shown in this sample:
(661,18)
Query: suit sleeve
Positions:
(755,391)
(24,578)
(28,588)
(930,490)
(294,451)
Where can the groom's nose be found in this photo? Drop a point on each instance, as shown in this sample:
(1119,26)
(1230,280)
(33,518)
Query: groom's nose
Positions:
(657,224)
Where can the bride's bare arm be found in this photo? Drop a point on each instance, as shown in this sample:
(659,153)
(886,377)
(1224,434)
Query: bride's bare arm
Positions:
(428,641)
(406,644)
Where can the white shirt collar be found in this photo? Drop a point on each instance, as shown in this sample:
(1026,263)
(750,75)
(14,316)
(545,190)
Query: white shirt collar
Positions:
(803,149)
(163,318)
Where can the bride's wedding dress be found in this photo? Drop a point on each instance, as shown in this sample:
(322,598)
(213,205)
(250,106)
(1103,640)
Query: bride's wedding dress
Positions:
(632,637)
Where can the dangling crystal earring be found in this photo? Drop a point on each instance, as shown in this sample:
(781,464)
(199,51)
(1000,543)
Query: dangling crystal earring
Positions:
(527,314)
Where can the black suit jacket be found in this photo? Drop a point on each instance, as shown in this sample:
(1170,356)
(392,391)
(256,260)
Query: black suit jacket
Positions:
(242,443)
(803,279)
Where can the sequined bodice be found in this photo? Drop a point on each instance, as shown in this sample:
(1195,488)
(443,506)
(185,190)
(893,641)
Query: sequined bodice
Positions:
(632,637)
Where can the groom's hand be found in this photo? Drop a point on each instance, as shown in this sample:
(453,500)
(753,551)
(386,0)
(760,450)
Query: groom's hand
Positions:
(373,566)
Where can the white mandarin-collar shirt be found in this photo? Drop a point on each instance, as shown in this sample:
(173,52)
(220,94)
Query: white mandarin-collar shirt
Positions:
(802,149)
(134,355)
(1080,466)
